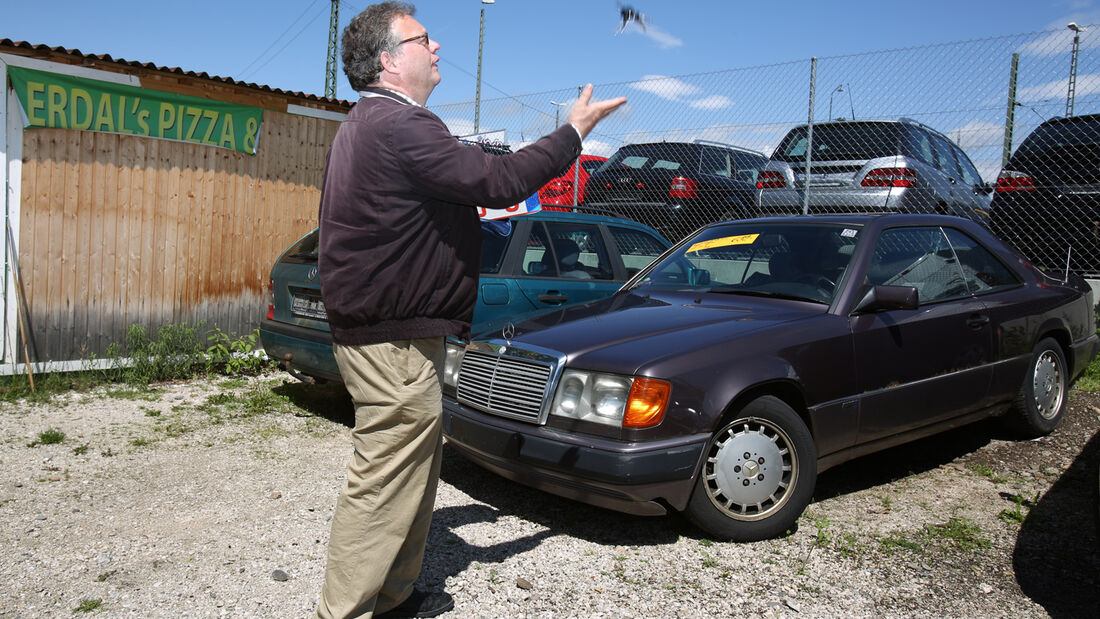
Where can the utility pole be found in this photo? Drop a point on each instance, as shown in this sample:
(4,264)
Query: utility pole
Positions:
(480,43)
(330,57)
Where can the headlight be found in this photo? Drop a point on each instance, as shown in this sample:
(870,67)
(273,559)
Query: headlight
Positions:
(452,362)
(610,399)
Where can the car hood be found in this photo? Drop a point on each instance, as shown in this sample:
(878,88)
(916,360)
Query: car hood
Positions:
(630,330)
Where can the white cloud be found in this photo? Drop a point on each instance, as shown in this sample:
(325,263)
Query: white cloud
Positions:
(672,89)
(663,39)
(976,134)
(713,102)
(1061,40)
(597,147)
(1086,85)
(668,88)
(459,126)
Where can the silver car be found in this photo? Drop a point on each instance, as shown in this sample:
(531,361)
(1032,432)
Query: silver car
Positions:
(887,166)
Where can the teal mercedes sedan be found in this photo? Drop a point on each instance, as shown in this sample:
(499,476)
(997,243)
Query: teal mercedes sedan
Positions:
(541,262)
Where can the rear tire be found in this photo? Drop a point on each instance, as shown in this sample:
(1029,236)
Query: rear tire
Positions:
(758,475)
(1041,403)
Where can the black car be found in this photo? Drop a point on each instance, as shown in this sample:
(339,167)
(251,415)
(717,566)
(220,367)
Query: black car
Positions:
(1047,199)
(725,376)
(676,187)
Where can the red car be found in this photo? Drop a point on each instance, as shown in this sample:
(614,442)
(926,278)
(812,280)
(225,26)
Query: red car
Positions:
(560,190)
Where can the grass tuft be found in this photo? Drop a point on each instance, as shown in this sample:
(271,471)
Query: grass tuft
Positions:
(51,436)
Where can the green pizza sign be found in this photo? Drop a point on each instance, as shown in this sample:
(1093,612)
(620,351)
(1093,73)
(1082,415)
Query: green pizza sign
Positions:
(56,101)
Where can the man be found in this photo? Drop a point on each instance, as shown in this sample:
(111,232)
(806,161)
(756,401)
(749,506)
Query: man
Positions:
(399,252)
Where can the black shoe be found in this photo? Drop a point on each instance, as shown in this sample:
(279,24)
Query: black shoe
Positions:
(420,604)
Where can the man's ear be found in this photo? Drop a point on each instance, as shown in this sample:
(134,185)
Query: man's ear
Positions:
(388,61)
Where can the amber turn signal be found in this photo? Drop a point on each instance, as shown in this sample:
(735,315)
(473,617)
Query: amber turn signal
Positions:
(647,403)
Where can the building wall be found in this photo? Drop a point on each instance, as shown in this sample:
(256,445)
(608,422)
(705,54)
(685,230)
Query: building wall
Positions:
(119,230)
(115,230)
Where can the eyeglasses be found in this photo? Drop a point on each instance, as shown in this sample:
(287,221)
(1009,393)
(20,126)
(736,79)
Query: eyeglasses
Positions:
(423,38)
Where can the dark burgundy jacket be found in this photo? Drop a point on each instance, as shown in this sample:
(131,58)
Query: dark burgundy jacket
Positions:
(400,244)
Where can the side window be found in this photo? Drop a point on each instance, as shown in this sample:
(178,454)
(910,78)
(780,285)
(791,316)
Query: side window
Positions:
(538,260)
(747,167)
(591,165)
(981,269)
(717,162)
(576,252)
(922,147)
(945,156)
(969,173)
(918,257)
(636,248)
(493,245)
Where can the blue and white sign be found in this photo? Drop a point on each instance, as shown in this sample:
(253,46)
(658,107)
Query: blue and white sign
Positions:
(530,205)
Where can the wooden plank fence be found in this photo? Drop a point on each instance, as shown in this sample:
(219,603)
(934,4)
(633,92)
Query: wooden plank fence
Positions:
(118,230)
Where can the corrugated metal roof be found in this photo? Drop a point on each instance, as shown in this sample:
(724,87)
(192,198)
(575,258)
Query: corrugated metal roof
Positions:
(86,59)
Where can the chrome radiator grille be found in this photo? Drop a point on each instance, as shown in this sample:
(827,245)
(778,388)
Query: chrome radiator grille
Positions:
(505,386)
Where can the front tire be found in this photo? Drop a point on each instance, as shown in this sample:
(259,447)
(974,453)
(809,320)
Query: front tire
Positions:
(1041,403)
(758,475)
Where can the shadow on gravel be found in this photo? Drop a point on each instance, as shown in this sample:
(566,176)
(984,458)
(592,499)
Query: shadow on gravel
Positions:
(329,400)
(448,554)
(609,527)
(911,458)
(1057,554)
(560,515)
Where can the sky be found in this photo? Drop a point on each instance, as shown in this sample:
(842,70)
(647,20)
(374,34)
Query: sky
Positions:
(529,46)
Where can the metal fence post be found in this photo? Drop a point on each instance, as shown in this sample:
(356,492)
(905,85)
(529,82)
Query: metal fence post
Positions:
(809,138)
(577,164)
(1010,115)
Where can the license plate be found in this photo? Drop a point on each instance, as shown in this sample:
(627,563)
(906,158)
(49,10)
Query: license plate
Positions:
(307,306)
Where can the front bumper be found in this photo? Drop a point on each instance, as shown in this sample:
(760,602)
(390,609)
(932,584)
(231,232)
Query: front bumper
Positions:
(636,478)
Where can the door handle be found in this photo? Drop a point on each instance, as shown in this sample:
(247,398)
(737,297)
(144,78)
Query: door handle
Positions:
(553,298)
(977,321)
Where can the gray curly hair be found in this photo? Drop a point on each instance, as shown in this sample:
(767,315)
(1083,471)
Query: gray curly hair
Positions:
(366,37)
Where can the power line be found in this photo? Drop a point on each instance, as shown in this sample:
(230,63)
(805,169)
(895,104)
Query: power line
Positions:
(264,54)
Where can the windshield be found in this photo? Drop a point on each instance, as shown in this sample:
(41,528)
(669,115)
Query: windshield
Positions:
(842,142)
(798,260)
(662,156)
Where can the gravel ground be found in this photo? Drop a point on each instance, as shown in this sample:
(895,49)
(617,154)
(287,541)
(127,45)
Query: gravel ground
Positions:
(214,497)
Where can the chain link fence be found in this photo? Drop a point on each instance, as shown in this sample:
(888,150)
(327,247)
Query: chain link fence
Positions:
(967,107)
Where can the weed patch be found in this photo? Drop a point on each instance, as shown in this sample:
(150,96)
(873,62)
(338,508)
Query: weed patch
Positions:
(896,542)
(959,532)
(87,606)
(51,436)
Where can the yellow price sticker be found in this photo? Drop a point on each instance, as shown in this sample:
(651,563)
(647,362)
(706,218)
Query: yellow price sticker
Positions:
(726,241)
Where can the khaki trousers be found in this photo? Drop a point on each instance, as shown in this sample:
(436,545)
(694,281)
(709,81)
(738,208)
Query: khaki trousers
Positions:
(380,527)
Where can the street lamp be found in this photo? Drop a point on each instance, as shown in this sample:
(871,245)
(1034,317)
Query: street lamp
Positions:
(839,88)
(577,163)
(1071,90)
(557,109)
(480,43)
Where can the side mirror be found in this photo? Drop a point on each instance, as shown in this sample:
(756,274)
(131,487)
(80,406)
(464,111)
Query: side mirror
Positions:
(699,277)
(881,298)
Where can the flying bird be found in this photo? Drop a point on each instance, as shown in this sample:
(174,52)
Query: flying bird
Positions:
(628,14)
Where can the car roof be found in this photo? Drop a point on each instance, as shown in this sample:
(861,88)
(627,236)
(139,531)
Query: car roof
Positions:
(880,220)
(589,217)
(1057,120)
